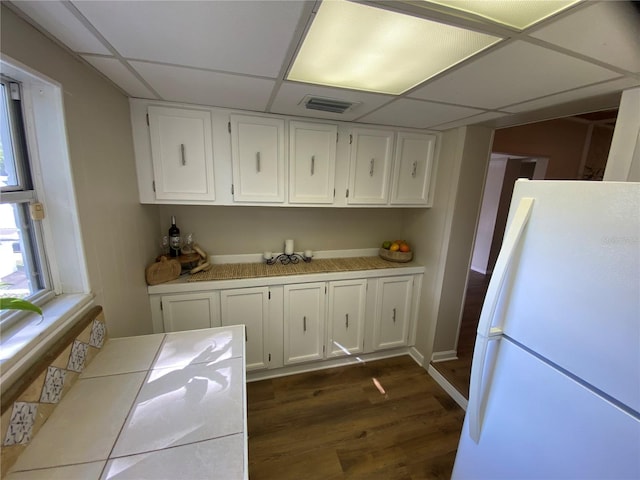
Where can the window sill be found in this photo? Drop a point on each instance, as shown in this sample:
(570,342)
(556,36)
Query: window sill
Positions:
(21,346)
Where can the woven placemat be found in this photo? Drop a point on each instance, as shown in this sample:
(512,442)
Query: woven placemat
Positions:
(232,271)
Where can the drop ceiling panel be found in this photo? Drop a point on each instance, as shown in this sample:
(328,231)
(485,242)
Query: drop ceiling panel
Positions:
(417,114)
(581,93)
(62,24)
(206,88)
(249,37)
(482,117)
(120,75)
(290,94)
(516,72)
(613,33)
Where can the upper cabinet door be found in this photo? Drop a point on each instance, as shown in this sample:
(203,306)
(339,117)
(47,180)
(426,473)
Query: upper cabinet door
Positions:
(257,152)
(370,166)
(312,160)
(182,153)
(412,169)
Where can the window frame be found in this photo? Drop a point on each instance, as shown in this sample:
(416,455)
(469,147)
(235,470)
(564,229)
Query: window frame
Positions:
(46,137)
(21,196)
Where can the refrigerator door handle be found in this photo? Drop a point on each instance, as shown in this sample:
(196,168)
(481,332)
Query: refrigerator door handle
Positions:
(486,332)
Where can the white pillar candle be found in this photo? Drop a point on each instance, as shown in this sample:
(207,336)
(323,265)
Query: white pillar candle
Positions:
(288,247)
(267,255)
(308,253)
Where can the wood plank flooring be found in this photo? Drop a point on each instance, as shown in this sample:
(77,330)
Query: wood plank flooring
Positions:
(337,424)
(458,372)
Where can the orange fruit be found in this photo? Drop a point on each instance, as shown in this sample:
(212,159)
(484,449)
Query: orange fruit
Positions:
(404,247)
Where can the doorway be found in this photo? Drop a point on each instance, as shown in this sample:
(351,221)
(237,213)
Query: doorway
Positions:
(503,171)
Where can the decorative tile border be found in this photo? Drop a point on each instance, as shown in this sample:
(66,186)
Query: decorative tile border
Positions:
(28,403)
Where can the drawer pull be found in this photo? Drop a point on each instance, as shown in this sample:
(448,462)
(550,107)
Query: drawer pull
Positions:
(182,154)
(415,169)
(347,320)
(258,162)
(371,165)
(304,324)
(313,164)
(394,315)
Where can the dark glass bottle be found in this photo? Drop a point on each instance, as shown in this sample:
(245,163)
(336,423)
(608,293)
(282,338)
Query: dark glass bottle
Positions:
(174,239)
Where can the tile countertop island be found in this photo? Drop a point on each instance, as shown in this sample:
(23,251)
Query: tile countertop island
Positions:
(156,406)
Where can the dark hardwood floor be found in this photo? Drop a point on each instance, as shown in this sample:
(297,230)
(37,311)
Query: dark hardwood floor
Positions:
(458,372)
(385,419)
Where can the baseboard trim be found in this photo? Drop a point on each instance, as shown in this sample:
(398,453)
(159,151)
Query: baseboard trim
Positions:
(444,356)
(450,389)
(257,375)
(417,356)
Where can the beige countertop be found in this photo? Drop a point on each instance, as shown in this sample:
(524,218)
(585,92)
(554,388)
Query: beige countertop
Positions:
(232,271)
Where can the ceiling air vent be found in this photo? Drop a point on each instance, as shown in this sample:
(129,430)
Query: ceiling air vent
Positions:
(327,104)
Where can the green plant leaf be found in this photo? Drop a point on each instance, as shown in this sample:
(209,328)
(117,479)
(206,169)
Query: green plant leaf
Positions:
(11,303)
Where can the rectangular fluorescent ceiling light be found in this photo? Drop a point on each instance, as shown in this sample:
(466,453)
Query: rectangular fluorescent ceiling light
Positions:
(519,14)
(356,46)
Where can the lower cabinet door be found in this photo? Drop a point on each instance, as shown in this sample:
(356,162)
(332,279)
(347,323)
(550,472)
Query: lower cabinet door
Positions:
(249,307)
(304,322)
(345,317)
(393,312)
(190,311)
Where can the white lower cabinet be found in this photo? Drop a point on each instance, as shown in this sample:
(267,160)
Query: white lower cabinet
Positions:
(346,317)
(292,324)
(249,307)
(190,311)
(393,312)
(304,322)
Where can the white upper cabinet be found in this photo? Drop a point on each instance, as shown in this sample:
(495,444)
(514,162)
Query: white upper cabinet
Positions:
(370,166)
(413,164)
(258,157)
(182,153)
(312,160)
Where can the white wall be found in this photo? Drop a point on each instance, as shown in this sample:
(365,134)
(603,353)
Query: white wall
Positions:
(118,233)
(488,212)
(623,164)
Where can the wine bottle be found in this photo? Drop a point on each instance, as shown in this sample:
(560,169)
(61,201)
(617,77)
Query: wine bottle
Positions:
(174,239)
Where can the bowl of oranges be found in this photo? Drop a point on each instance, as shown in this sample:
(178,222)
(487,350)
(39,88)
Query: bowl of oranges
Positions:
(396,251)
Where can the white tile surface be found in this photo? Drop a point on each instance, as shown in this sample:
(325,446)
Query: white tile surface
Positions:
(84,426)
(617,22)
(200,346)
(181,405)
(116,71)
(124,355)
(70,472)
(204,87)
(221,458)
(241,37)
(514,73)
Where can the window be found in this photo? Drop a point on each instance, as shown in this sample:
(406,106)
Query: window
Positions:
(23,269)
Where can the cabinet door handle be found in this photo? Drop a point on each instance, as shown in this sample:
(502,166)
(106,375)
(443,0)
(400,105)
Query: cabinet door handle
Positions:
(347,320)
(304,324)
(415,169)
(258,162)
(394,315)
(313,164)
(246,335)
(371,165)
(182,154)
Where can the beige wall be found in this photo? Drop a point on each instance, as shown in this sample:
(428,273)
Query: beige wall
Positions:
(235,229)
(474,162)
(561,140)
(118,232)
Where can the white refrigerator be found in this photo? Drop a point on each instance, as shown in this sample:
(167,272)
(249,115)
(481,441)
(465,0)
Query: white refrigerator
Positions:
(555,381)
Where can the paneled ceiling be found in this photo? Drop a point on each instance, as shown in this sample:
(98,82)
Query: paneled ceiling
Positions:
(237,53)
